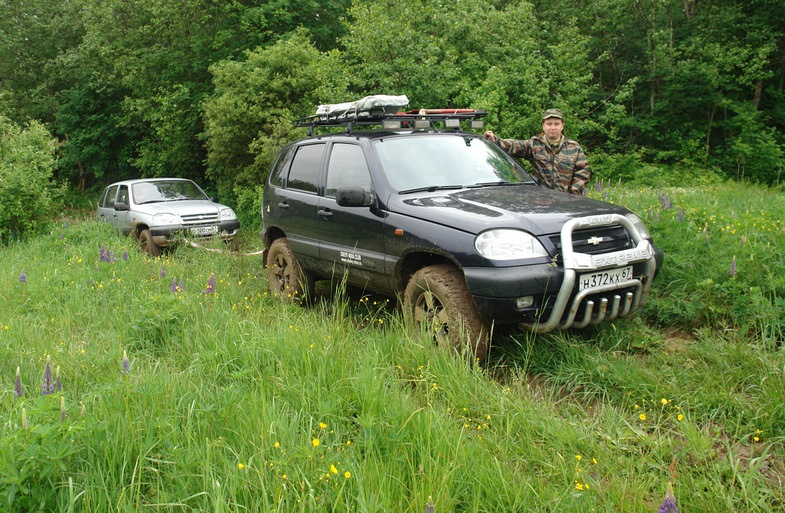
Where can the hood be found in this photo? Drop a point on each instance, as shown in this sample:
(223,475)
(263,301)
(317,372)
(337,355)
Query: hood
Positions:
(186,207)
(535,209)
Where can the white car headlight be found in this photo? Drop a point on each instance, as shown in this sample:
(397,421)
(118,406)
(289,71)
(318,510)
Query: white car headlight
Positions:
(508,244)
(638,224)
(166,219)
(227,213)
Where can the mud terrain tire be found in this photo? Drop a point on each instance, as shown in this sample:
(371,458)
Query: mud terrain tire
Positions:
(285,277)
(437,301)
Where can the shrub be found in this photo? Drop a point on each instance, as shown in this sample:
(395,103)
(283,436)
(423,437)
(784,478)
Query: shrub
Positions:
(26,187)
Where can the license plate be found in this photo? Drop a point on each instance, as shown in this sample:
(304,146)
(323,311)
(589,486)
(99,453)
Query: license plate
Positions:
(204,230)
(606,277)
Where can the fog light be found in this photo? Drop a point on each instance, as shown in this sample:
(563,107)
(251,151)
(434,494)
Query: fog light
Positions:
(452,123)
(524,302)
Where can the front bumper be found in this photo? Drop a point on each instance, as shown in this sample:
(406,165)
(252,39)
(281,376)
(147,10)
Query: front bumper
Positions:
(227,230)
(556,301)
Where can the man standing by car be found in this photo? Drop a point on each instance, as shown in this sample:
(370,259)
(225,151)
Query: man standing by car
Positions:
(559,162)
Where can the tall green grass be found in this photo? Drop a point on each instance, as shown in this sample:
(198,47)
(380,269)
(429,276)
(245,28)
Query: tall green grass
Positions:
(236,402)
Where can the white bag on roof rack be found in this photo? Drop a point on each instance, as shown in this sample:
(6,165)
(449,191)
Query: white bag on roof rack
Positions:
(370,106)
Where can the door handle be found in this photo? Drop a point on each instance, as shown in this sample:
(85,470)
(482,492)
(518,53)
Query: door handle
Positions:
(325,213)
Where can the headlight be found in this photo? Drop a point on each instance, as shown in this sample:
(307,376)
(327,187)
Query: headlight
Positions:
(508,245)
(638,224)
(227,213)
(166,219)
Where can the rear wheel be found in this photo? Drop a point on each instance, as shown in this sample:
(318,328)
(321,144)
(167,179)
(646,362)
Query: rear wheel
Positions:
(148,244)
(285,277)
(439,304)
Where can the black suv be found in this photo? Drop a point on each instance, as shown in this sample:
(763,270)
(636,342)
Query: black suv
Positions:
(450,223)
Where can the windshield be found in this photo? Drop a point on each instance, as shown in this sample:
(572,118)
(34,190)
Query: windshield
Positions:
(175,190)
(445,160)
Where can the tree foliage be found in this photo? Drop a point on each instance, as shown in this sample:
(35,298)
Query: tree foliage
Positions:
(207,89)
(257,99)
(26,188)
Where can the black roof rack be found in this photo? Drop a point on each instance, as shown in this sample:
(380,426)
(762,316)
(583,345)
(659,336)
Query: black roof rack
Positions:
(449,119)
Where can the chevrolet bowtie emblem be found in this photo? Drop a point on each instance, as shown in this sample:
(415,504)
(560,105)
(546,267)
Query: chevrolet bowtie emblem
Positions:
(595,241)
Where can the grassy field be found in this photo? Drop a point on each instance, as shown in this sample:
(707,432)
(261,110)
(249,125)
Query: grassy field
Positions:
(227,400)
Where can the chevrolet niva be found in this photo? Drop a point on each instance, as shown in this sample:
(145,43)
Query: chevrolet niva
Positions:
(447,222)
(153,210)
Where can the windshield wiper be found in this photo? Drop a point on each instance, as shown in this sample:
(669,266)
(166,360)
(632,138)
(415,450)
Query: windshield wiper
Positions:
(430,188)
(489,184)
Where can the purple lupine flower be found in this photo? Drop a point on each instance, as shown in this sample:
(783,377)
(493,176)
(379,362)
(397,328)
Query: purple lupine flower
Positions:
(125,254)
(210,285)
(22,277)
(103,254)
(669,504)
(732,270)
(47,387)
(173,286)
(681,214)
(19,391)
(126,365)
(598,185)
(62,408)
(58,383)
(163,271)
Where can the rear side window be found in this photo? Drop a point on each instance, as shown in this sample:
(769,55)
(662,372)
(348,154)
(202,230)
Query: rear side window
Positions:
(304,173)
(107,201)
(281,167)
(347,168)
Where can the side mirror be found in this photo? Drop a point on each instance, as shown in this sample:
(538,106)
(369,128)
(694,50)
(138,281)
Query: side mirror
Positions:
(353,197)
(214,199)
(121,206)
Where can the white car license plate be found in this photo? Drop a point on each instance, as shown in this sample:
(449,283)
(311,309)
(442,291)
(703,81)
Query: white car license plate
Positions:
(204,230)
(606,277)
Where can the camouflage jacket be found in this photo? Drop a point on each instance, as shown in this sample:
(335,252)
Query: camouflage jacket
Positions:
(565,169)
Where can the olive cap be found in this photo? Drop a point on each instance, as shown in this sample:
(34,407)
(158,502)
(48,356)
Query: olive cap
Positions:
(552,113)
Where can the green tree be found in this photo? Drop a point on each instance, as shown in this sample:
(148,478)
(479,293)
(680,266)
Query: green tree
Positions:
(256,100)
(26,188)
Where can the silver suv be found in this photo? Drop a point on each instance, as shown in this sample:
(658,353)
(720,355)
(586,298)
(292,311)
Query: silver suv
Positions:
(151,210)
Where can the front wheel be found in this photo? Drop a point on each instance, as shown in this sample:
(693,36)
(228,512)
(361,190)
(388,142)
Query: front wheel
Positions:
(148,244)
(438,303)
(285,277)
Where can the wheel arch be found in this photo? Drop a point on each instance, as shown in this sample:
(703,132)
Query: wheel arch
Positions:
(416,260)
(268,237)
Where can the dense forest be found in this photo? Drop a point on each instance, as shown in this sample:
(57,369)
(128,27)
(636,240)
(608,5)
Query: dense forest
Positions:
(660,91)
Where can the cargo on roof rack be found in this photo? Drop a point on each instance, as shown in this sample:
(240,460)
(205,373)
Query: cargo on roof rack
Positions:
(386,111)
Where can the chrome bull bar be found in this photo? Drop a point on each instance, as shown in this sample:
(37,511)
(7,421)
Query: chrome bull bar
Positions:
(619,305)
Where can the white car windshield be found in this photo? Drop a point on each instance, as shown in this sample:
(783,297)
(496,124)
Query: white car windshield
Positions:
(174,190)
(445,161)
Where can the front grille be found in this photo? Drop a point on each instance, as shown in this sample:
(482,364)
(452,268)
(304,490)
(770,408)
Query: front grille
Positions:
(596,241)
(200,219)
